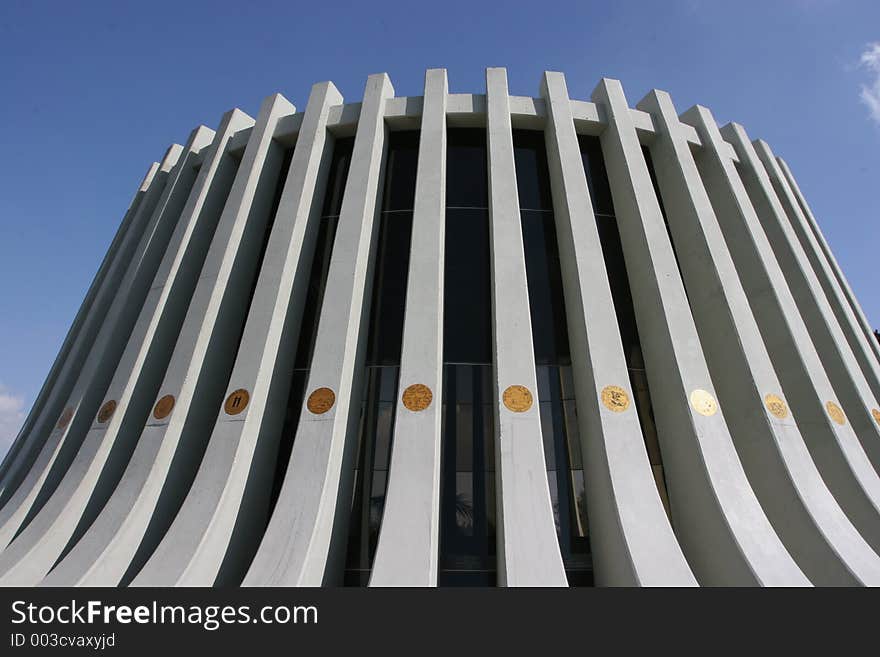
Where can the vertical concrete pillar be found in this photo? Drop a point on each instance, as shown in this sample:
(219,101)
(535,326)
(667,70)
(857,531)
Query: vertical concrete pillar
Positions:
(188,398)
(837,273)
(631,540)
(55,412)
(225,509)
(408,547)
(840,363)
(109,442)
(527,545)
(56,451)
(73,333)
(719,521)
(173,287)
(833,444)
(777,462)
(304,543)
(855,351)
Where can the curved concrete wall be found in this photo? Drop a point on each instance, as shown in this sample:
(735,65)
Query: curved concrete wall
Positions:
(150,453)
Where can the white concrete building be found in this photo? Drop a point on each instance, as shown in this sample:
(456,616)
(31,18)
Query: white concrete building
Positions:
(458,339)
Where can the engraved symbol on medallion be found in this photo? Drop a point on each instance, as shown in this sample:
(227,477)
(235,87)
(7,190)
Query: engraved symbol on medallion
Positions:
(517,398)
(163,407)
(106,411)
(776,406)
(417,397)
(703,402)
(321,400)
(615,398)
(835,412)
(65,418)
(236,402)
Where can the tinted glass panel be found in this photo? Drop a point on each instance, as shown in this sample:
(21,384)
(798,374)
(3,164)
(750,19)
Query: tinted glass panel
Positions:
(467,505)
(546,300)
(467,181)
(467,485)
(597,179)
(532,177)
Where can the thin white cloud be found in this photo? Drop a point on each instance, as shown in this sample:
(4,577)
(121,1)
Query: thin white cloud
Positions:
(11,417)
(870,93)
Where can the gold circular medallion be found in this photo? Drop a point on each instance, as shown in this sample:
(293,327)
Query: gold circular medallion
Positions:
(163,407)
(835,412)
(518,399)
(321,400)
(876,414)
(236,402)
(615,398)
(417,397)
(106,411)
(703,402)
(65,418)
(776,406)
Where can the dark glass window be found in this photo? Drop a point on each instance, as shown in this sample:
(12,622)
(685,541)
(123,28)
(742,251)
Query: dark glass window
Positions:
(467,299)
(556,399)
(612,251)
(337,176)
(385,338)
(467,175)
(467,484)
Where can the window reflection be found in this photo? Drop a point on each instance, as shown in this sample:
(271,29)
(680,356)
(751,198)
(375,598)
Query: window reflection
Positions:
(467,485)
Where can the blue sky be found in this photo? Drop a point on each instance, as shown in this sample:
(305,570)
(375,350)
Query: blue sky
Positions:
(93,92)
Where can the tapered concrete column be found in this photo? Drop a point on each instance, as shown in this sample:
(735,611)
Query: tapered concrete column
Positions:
(856,354)
(719,521)
(56,411)
(866,330)
(225,508)
(408,548)
(778,464)
(60,447)
(304,543)
(93,473)
(840,363)
(78,322)
(833,444)
(188,398)
(171,294)
(527,546)
(631,539)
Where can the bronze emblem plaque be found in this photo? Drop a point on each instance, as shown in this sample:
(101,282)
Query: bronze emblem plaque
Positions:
(106,411)
(703,402)
(776,406)
(835,412)
(417,397)
(876,414)
(321,400)
(164,407)
(518,399)
(236,402)
(65,418)
(615,398)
